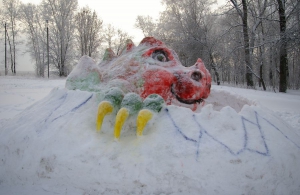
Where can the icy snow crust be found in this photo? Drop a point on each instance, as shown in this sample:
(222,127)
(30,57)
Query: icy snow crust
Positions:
(52,148)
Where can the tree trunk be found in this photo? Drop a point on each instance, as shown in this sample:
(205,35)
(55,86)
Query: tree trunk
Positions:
(249,78)
(214,67)
(261,80)
(11,53)
(13,45)
(5,61)
(261,54)
(283,67)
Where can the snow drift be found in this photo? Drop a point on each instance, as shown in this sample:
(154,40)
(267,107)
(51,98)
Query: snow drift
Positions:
(230,146)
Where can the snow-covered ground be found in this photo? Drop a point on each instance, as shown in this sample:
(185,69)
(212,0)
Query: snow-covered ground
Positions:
(18,93)
(241,142)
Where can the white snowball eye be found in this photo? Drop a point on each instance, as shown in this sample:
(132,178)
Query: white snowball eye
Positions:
(160,55)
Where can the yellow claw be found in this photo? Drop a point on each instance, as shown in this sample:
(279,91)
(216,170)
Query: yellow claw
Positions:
(120,120)
(104,108)
(143,117)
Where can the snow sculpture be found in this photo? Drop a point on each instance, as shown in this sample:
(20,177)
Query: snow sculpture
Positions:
(140,81)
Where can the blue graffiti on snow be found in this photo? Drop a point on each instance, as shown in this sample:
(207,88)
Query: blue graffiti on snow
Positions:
(202,131)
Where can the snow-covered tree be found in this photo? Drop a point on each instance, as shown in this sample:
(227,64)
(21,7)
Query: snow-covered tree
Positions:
(115,38)
(242,41)
(88,27)
(60,14)
(187,26)
(146,24)
(10,14)
(35,28)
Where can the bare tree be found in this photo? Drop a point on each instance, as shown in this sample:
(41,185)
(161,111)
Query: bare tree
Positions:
(243,13)
(283,47)
(61,29)
(257,10)
(10,12)
(120,40)
(293,38)
(115,39)
(34,26)
(109,34)
(187,26)
(88,27)
(243,40)
(146,24)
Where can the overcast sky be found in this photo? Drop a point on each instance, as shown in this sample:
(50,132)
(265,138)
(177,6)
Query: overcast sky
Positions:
(120,13)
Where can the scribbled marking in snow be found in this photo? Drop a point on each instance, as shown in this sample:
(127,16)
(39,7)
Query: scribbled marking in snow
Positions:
(249,128)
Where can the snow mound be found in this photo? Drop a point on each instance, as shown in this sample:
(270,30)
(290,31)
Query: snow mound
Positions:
(220,98)
(53,147)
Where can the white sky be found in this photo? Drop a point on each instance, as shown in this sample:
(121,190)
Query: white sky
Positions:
(120,13)
(123,13)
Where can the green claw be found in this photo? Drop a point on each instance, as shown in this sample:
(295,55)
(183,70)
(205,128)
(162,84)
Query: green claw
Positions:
(115,96)
(130,105)
(112,101)
(154,102)
(133,102)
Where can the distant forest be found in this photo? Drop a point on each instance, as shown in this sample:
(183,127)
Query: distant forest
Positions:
(252,43)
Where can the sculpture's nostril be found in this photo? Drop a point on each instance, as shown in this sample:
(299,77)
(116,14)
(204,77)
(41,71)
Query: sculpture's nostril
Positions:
(196,76)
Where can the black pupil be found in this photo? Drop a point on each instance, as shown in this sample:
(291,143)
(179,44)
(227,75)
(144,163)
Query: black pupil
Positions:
(196,76)
(160,55)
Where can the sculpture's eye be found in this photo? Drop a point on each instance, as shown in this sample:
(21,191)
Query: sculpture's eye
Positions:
(160,55)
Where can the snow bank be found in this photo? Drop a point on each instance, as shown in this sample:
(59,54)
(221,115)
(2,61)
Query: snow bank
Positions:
(18,93)
(52,147)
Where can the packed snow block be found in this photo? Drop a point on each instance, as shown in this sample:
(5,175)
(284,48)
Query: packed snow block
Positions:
(46,147)
(85,76)
(149,68)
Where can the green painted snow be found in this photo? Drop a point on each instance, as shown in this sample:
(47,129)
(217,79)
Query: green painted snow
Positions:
(89,83)
(154,102)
